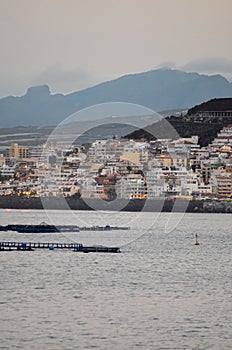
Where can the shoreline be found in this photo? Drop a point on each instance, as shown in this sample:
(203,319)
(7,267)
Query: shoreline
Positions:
(133,205)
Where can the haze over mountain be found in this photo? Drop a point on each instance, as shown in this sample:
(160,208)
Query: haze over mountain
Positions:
(160,89)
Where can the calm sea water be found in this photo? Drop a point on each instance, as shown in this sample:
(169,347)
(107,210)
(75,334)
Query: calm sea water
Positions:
(161,292)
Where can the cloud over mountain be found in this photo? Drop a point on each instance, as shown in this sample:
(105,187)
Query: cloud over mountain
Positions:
(210,65)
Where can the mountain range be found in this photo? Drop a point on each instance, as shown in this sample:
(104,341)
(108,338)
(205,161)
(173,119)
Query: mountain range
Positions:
(160,89)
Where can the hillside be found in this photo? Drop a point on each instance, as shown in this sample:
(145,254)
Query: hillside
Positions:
(216,104)
(160,89)
(205,132)
(205,129)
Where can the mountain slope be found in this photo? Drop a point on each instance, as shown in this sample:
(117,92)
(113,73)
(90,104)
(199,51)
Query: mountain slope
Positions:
(159,89)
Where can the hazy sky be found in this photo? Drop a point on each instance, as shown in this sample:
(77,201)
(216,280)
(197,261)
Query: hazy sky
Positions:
(72,44)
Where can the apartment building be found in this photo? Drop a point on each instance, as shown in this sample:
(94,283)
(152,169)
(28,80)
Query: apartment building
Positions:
(14,151)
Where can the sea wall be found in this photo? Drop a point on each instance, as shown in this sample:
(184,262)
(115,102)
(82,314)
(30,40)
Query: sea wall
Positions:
(159,205)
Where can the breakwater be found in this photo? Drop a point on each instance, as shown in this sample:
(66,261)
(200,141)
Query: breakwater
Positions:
(156,205)
(45,228)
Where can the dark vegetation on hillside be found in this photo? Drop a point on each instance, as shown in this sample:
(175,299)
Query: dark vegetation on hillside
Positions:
(205,128)
(216,104)
(205,132)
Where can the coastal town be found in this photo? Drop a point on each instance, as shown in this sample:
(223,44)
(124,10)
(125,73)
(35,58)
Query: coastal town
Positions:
(116,175)
(121,168)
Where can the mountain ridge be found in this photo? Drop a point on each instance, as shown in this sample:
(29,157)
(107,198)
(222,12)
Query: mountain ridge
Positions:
(160,89)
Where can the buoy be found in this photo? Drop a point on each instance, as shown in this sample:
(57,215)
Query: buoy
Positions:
(51,247)
(197,242)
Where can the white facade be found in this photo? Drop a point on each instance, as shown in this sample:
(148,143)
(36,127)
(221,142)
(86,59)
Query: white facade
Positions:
(133,186)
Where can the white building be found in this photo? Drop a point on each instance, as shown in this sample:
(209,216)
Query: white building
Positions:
(7,171)
(133,186)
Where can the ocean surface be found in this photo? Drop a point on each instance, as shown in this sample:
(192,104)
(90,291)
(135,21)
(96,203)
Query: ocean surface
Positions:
(162,292)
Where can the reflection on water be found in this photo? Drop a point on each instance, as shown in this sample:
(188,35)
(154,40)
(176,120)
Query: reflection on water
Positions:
(162,292)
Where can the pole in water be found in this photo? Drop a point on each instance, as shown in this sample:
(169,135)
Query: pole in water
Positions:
(197,243)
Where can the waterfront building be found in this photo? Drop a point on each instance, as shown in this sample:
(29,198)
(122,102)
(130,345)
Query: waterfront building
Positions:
(6,189)
(36,151)
(223,141)
(89,188)
(224,184)
(205,189)
(183,146)
(132,186)
(131,157)
(14,151)
(7,171)
(2,160)
(169,181)
(168,160)
(155,183)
